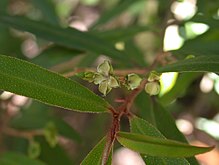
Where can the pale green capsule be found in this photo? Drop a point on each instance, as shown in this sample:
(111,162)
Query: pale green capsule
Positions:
(154,76)
(105,68)
(152,88)
(133,81)
(113,82)
(104,87)
(98,78)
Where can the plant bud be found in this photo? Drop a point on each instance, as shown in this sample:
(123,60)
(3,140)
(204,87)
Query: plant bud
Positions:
(34,149)
(154,76)
(133,81)
(152,88)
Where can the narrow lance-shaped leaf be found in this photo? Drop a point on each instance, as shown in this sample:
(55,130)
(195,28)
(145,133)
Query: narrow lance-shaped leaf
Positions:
(141,126)
(116,11)
(164,120)
(95,155)
(180,87)
(198,64)
(30,80)
(157,146)
(121,34)
(69,37)
(48,10)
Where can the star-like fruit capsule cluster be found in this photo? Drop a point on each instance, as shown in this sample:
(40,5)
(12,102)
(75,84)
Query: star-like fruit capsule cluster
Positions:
(106,80)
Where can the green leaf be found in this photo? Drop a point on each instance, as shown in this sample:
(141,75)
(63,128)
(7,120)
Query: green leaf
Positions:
(48,10)
(121,34)
(54,55)
(68,37)
(135,56)
(53,156)
(95,155)
(164,120)
(12,158)
(141,126)
(37,116)
(66,130)
(157,146)
(198,64)
(116,11)
(181,85)
(203,45)
(3,5)
(30,80)
(210,21)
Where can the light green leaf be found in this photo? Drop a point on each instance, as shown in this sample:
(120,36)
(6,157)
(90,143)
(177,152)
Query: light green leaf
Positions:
(141,126)
(12,158)
(30,80)
(68,37)
(157,146)
(48,10)
(95,155)
(198,64)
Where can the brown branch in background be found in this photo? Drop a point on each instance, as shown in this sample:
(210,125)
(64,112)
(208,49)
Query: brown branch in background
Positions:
(23,134)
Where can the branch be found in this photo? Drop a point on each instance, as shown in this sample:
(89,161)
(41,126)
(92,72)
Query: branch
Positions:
(23,134)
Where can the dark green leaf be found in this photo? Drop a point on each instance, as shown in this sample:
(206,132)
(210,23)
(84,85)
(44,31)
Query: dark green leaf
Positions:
(3,5)
(198,64)
(53,156)
(203,45)
(121,34)
(37,116)
(48,10)
(54,55)
(30,80)
(11,158)
(157,146)
(164,120)
(182,83)
(134,54)
(141,126)
(68,37)
(66,130)
(116,11)
(210,21)
(145,107)
(95,155)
